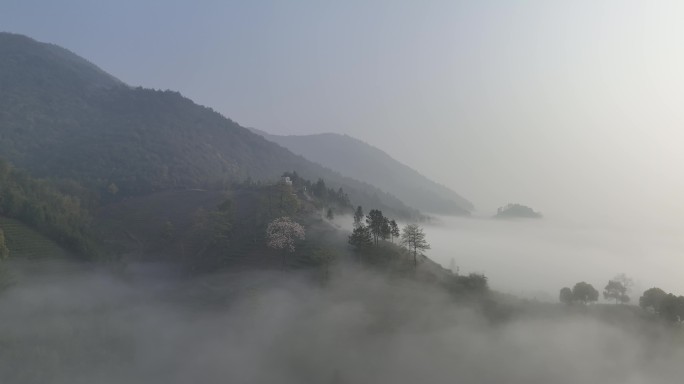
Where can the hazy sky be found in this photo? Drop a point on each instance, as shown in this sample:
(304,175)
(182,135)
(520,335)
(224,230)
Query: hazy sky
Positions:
(566,106)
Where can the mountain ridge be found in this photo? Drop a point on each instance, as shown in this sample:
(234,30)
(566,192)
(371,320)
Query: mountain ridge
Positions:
(365,162)
(63,117)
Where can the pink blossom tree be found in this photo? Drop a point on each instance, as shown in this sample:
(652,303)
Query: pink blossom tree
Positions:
(282,233)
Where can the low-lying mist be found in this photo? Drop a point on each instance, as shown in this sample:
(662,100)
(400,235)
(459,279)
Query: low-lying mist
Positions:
(535,258)
(68,325)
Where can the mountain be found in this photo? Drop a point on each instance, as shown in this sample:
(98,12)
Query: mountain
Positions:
(364,162)
(62,117)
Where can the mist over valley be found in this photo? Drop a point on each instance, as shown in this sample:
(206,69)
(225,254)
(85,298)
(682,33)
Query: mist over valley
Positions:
(386,192)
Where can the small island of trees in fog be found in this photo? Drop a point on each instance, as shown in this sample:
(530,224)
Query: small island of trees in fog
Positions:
(514,210)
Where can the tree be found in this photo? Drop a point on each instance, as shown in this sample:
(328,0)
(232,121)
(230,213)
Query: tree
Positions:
(282,233)
(413,238)
(386,229)
(394,230)
(566,296)
(626,282)
(329,214)
(358,216)
(377,224)
(652,299)
(4,251)
(320,190)
(672,308)
(584,293)
(615,290)
(361,238)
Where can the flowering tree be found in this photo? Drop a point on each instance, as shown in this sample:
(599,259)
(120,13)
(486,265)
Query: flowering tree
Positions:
(282,233)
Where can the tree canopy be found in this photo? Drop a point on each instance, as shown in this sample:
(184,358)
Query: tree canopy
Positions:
(361,238)
(283,232)
(615,290)
(378,225)
(652,298)
(566,296)
(584,293)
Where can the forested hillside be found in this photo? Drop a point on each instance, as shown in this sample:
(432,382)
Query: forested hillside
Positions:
(40,205)
(62,117)
(354,158)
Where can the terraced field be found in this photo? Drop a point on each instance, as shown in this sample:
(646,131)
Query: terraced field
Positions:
(23,242)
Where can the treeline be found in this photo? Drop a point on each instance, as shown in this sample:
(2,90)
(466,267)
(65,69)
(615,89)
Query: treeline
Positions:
(371,230)
(617,289)
(320,190)
(38,204)
(376,226)
(665,305)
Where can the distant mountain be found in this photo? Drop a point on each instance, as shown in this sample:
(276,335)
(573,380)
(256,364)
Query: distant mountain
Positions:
(364,162)
(63,117)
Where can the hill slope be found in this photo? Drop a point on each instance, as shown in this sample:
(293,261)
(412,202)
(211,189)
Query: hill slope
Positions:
(364,162)
(62,117)
(24,242)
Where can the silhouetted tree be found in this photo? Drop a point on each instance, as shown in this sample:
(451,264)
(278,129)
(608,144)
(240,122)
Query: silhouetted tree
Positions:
(566,296)
(361,238)
(671,308)
(386,229)
(652,298)
(394,230)
(584,293)
(377,224)
(615,290)
(413,238)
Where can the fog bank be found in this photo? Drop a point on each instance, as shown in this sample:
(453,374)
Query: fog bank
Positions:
(535,258)
(90,327)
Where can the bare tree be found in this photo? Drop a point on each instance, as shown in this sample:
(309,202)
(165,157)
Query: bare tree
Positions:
(413,238)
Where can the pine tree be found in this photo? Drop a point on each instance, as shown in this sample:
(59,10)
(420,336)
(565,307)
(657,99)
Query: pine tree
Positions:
(361,238)
(377,224)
